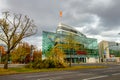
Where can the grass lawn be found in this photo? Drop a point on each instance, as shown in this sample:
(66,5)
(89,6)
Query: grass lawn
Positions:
(29,70)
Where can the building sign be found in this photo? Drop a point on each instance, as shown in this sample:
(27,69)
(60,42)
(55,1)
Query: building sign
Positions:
(81,52)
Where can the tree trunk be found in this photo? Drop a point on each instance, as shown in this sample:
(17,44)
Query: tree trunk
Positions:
(6,61)
(70,60)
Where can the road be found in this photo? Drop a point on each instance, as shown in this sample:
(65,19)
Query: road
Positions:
(111,73)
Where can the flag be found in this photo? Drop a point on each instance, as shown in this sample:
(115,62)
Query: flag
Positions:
(60,13)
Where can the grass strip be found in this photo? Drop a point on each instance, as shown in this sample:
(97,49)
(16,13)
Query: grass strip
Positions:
(29,70)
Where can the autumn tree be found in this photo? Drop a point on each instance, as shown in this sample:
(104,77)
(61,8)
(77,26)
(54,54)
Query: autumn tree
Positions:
(13,28)
(70,45)
(57,54)
(37,55)
(21,54)
(2,52)
(18,55)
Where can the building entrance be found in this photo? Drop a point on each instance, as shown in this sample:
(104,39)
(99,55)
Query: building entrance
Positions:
(82,59)
(77,60)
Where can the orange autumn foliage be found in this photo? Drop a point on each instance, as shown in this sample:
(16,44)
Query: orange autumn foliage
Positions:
(2,50)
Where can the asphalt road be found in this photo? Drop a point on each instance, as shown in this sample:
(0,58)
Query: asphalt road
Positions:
(111,73)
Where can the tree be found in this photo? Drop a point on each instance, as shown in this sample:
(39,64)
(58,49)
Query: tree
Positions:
(13,28)
(2,52)
(56,53)
(37,55)
(19,54)
(70,45)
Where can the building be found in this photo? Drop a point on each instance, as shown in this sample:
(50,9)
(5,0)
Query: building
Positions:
(109,51)
(73,43)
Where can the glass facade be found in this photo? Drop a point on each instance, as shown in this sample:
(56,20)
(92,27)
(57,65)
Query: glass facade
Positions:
(81,48)
(74,44)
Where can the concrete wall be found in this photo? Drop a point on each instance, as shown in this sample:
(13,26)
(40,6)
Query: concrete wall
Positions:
(92,60)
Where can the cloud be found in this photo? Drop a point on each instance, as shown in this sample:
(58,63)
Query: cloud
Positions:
(95,18)
(45,13)
(108,13)
(34,40)
(3,6)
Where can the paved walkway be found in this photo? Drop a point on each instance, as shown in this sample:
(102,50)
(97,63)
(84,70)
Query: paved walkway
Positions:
(13,65)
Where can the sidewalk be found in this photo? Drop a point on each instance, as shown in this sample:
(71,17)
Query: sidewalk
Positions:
(13,65)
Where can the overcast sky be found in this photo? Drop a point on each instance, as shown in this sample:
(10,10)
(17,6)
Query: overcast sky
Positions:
(95,18)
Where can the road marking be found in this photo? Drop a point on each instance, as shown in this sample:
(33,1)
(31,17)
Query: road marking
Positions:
(116,74)
(95,77)
(51,78)
(37,76)
(44,75)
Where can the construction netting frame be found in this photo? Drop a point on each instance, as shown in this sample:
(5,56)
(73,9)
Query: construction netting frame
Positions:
(85,46)
(114,51)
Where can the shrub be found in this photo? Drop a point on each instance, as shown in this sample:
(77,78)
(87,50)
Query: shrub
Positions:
(47,63)
(30,65)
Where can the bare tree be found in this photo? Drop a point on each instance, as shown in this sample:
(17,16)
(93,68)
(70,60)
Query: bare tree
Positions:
(13,28)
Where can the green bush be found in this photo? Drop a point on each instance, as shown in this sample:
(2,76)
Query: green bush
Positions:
(47,63)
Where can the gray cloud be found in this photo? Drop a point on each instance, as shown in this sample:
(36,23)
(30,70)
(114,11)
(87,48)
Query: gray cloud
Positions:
(44,12)
(94,16)
(106,10)
(75,12)
(109,15)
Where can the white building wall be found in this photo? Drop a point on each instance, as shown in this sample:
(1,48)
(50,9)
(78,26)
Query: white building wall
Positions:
(106,49)
(117,59)
(92,60)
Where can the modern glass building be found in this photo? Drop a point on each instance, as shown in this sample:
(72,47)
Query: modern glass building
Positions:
(73,43)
